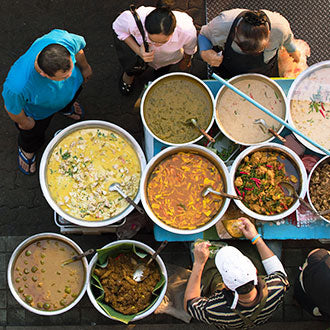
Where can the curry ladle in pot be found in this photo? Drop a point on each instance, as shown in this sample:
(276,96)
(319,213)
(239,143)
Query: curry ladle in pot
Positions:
(194,122)
(116,187)
(263,124)
(209,189)
(139,273)
(78,257)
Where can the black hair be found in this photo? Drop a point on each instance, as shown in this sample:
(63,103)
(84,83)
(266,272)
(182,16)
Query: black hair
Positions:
(161,20)
(54,58)
(245,288)
(254,28)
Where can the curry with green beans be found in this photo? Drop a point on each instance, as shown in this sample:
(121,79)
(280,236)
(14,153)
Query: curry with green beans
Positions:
(171,103)
(42,281)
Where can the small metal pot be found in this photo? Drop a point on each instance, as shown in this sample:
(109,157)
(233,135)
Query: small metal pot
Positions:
(212,157)
(48,151)
(144,247)
(168,77)
(322,161)
(295,164)
(254,76)
(18,251)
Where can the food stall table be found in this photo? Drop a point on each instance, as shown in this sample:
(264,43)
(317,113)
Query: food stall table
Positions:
(285,229)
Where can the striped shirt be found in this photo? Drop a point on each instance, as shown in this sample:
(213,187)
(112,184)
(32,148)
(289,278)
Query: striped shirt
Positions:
(216,308)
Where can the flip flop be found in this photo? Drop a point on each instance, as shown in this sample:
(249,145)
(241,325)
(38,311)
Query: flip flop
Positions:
(73,112)
(125,88)
(27,161)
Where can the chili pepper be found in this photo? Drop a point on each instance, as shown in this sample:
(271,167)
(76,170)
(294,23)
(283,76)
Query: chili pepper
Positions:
(270,166)
(280,167)
(239,193)
(243,173)
(251,96)
(246,188)
(322,113)
(285,207)
(243,194)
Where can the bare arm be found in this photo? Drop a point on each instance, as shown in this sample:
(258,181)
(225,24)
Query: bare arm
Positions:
(22,120)
(193,289)
(83,65)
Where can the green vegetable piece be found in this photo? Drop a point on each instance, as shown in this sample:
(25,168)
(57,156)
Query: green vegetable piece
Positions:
(34,269)
(74,295)
(28,253)
(67,290)
(17,280)
(20,290)
(43,270)
(26,285)
(42,262)
(28,299)
(34,278)
(24,278)
(26,271)
(42,255)
(46,306)
(63,302)
(58,273)
(39,305)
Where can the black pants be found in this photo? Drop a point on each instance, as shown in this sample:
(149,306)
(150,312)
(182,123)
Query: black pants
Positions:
(31,140)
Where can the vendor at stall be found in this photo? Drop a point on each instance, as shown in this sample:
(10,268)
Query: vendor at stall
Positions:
(243,41)
(232,294)
(170,36)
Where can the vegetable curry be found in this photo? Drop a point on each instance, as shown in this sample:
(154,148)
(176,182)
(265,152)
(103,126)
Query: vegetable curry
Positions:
(42,281)
(174,190)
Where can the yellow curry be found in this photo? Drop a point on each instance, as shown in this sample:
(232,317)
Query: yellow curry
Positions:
(82,167)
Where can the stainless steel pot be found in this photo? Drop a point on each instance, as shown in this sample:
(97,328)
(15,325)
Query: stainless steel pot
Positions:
(48,151)
(21,248)
(144,247)
(212,157)
(294,164)
(253,76)
(322,161)
(168,77)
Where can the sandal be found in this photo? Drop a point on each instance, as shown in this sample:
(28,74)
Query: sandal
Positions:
(27,161)
(73,111)
(125,88)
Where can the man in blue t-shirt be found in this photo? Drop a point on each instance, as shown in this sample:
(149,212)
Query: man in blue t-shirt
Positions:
(45,80)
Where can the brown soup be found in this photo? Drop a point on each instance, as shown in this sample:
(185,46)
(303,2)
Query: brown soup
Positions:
(42,281)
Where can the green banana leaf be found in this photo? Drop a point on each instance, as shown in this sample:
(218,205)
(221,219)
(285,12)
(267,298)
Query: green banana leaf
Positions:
(97,288)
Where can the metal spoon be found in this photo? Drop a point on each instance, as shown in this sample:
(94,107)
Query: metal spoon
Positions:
(209,137)
(289,190)
(116,187)
(138,274)
(78,257)
(209,189)
(263,124)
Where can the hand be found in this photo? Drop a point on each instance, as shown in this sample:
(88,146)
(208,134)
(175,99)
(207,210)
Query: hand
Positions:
(146,56)
(248,229)
(211,57)
(27,124)
(201,253)
(86,72)
(295,55)
(185,63)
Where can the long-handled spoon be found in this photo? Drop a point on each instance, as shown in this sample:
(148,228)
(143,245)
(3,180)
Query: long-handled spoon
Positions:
(138,274)
(78,257)
(209,189)
(116,187)
(262,122)
(209,137)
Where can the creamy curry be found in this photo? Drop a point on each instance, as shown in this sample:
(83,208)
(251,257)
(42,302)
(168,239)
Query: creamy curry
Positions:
(82,167)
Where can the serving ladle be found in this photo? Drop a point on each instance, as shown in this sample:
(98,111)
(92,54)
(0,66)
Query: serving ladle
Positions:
(78,257)
(116,187)
(262,122)
(139,274)
(194,122)
(209,189)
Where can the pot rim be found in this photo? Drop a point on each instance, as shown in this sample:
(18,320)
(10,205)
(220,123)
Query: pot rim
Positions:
(300,166)
(172,150)
(52,144)
(154,83)
(325,159)
(21,247)
(143,246)
(238,77)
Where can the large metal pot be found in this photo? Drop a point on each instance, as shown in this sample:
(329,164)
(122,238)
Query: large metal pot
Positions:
(212,157)
(293,166)
(171,76)
(150,251)
(310,85)
(48,151)
(256,77)
(20,248)
(322,161)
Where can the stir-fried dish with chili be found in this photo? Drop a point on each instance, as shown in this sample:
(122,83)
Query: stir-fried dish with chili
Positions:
(257,181)
(175,186)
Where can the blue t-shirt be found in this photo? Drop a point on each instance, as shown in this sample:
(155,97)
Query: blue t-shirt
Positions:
(40,97)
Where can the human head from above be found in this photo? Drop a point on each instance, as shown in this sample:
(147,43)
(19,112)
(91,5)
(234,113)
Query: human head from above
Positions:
(160,24)
(252,32)
(55,62)
(237,271)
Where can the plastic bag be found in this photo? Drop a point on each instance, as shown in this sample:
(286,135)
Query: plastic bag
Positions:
(287,67)
(214,247)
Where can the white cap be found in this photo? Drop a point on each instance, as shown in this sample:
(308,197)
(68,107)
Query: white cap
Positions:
(236,269)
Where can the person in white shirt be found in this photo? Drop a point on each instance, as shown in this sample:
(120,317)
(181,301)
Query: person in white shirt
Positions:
(170,35)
